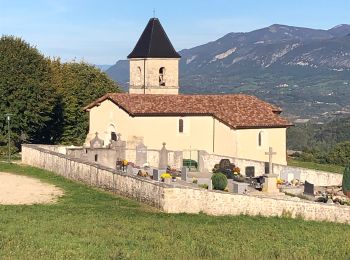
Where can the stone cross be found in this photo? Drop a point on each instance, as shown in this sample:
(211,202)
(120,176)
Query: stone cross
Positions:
(270,153)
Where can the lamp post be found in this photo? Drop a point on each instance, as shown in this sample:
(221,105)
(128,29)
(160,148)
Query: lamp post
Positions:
(8,118)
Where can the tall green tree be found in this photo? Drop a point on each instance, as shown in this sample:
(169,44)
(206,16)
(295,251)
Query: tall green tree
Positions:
(26,93)
(78,85)
(340,154)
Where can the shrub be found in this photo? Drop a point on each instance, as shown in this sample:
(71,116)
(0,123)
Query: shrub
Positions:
(346,179)
(219,181)
(204,186)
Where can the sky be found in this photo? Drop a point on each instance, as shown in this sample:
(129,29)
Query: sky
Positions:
(104,31)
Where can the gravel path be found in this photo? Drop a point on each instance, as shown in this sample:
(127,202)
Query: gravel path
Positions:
(18,189)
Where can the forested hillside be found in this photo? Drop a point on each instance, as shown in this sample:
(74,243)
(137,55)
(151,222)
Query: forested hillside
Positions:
(322,143)
(45,97)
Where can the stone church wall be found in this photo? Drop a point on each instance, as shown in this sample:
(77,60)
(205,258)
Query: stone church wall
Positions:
(178,199)
(319,178)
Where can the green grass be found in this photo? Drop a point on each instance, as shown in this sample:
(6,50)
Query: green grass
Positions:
(316,166)
(91,224)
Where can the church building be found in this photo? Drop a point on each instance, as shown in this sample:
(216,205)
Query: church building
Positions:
(153,112)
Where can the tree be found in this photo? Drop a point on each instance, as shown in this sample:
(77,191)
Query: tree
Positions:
(78,85)
(340,154)
(26,92)
(346,181)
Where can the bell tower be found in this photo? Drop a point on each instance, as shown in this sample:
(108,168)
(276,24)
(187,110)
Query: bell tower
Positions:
(154,63)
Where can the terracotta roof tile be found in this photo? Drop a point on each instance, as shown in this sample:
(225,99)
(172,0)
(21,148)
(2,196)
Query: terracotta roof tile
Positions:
(235,110)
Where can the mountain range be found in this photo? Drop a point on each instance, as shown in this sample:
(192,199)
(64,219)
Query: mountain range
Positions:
(305,71)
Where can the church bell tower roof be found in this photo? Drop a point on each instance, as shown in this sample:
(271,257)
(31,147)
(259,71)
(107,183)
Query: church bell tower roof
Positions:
(154,43)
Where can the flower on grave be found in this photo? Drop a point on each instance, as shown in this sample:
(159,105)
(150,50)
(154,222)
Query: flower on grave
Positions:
(279,181)
(125,162)
(194,180)
(236,170)
(165,176)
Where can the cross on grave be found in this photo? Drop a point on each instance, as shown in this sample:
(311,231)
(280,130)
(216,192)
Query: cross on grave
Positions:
(270,180)
(270,153)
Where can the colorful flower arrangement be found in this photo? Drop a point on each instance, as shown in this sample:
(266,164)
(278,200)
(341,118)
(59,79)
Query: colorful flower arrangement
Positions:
(165,176)
(237,171)
(279,181)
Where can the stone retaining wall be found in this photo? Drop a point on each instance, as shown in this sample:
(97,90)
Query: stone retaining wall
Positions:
(207,161)
(178,199)
(143,190)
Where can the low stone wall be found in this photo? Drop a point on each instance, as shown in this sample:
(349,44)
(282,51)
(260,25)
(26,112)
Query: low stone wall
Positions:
(143,190)
(207,161)
(222,203)
(178,199)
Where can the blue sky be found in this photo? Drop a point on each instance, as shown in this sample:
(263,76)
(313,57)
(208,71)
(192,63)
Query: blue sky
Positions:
(101,32)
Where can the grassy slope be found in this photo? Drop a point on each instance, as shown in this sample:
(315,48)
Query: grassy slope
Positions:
(88,223)
(316,166)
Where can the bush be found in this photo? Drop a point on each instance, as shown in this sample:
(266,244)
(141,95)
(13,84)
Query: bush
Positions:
(219,181)
(346,179)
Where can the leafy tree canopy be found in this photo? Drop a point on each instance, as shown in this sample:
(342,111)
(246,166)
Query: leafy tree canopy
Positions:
(26,92)
(45,97)
(78,84)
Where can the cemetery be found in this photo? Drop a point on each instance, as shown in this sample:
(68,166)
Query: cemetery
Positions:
(184,172)
(227,190)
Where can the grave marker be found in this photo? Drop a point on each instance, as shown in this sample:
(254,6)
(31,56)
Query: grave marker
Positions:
(184,173)
(129,169)
(157,173)
(309,188)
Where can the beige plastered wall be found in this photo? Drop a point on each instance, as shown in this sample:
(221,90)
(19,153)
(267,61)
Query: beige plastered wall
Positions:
(200,133)
(150,67)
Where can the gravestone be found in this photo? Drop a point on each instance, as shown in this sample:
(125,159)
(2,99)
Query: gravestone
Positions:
(210,186)
(230,185)
(119,146)
(270,183)
(163,157)
(309,188)
(129,169)
(250,171)
(141,154)
(157,173)
(240,187)
(96,142)
(226,164)
(184,173)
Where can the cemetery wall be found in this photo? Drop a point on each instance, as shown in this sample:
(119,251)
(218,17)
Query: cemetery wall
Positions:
(207,161)
(93,174)
(175,199)
(182,200)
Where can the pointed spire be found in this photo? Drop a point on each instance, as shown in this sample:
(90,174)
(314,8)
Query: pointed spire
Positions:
(154,43)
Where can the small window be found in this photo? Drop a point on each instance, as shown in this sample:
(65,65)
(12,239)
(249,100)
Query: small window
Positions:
(86,151)
(260,138)
(162,76)
(181,125)
(113,136)
(96,157)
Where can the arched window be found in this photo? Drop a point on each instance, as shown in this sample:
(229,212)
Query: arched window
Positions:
(260,138)
(113,136)
(162,76)
(138,76)
(181,125)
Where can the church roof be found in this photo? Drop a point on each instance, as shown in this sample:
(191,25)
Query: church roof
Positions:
(237,111)
(154,43)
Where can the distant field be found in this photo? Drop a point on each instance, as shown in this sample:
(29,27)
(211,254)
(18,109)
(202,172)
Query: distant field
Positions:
(316,166)
(91,224)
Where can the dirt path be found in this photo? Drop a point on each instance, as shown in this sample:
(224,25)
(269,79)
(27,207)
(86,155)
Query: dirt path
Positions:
(18,189)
